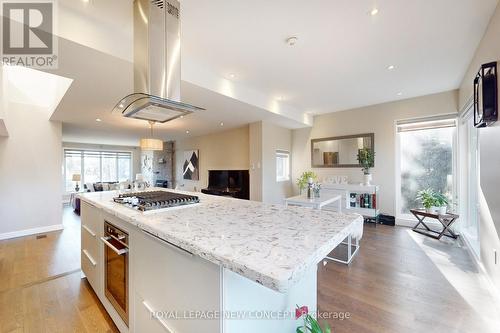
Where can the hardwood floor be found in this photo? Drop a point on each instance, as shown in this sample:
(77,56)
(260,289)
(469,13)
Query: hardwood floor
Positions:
(399,282)
(41,289)
(405,282)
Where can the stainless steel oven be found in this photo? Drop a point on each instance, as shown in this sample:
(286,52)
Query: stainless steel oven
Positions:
(116,269)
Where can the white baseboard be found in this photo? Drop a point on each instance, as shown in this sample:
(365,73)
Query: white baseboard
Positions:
(29,232)
(494,289)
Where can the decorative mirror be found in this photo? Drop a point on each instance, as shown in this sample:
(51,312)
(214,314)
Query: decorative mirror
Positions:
(340,151)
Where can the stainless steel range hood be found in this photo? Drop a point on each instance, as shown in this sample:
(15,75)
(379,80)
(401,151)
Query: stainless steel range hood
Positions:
(157,64)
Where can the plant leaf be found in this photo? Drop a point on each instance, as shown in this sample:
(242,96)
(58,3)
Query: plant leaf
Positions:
(327,328)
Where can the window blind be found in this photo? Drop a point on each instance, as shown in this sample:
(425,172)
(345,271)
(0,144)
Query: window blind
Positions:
(426,123)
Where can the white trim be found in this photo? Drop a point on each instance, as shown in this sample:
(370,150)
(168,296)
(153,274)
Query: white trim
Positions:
(479,265)
(29,232)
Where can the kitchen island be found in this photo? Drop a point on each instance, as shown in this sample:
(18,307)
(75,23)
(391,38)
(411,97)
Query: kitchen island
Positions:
(221,265)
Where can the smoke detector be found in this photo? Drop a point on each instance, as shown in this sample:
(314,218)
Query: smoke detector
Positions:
(292,40)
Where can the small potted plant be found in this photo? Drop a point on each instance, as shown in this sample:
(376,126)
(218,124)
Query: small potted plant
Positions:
(366,158)
(441,203)
(428,199)
(310,325)
(303,180)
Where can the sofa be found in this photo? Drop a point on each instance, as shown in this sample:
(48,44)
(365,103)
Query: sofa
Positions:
(106,186)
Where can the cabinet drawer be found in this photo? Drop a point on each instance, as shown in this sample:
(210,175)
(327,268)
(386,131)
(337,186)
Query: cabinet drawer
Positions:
(90,242)
(90,269)
(91,218)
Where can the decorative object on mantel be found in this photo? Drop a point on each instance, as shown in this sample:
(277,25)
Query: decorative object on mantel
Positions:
(303,180)
(77,178)
(336,180)
(366,158)
(317,190)
(190,168)
(311,325)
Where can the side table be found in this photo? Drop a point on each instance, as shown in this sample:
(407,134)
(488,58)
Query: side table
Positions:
(446,221)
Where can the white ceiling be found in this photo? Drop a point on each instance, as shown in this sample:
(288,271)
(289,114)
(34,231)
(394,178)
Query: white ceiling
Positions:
(341,58)
(114,129)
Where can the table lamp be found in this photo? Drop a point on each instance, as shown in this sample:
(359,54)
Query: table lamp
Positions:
(77,178)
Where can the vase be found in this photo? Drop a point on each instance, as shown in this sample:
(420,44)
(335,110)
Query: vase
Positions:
(442,210)
(367,178)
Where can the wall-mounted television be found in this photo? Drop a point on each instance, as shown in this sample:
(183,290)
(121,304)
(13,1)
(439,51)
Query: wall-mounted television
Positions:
(486,95)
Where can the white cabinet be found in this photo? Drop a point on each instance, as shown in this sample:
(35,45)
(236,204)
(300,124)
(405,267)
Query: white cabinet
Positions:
(91,254)
(355,190)
(169,280)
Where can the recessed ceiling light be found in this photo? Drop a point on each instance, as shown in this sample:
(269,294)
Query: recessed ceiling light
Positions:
(292,40)
(280,98)
(400,93)
(391,67)
(187,132)
(222,123)
(181,117)
(232,75)
(374,12)
(98,120)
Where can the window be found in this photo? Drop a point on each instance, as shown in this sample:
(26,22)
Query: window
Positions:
(282,166)
(96,166)
(426,155)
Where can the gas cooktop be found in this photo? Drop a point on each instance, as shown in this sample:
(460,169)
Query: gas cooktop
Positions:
(152,200)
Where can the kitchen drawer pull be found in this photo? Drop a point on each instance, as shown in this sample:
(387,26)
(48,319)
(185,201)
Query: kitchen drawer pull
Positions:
(175,247)
(88,230)
(106,240)
(89,257)
(160,320)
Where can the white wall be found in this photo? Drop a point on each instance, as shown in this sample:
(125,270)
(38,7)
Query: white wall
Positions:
(378,119)
(228,150)
(265,140)
(489,146)
(255,152)
(30,157)
(274,138)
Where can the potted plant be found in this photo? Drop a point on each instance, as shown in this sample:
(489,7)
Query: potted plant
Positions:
(428,199)
(366,158)
(303,180)
(311,325)
(441,203)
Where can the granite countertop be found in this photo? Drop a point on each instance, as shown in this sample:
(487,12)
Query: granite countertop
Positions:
(270,244)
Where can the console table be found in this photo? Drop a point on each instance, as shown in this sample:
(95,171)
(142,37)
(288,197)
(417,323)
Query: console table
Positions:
(326,199)
(354,196)
(316,203)
(446,221)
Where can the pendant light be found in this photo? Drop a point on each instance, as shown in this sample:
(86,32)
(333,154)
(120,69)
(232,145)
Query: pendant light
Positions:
(151,144)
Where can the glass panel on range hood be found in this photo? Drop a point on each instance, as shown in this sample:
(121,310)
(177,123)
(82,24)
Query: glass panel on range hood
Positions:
(148,107)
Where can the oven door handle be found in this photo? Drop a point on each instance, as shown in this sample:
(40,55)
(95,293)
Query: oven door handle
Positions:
(120,252)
